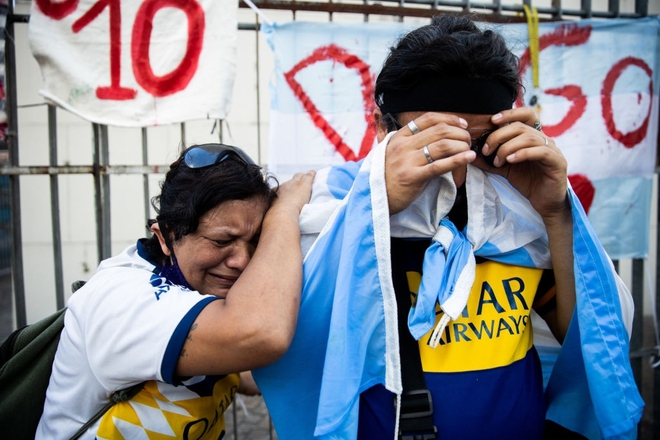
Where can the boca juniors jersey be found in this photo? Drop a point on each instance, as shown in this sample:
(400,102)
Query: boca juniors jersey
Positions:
(484,376)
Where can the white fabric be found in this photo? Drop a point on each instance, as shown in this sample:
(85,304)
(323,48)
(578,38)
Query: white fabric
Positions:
(117,329)
(166,62)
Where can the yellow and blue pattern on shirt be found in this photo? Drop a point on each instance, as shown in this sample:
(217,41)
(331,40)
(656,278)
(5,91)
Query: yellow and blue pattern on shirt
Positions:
(162,411)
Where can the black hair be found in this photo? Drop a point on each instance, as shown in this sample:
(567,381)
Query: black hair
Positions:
(189,193)
(450,46)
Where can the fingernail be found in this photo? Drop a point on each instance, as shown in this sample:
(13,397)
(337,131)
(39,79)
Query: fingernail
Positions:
(485,149)
(463,122)
(496,117)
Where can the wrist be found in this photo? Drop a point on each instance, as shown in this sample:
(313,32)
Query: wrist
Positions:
(560,215)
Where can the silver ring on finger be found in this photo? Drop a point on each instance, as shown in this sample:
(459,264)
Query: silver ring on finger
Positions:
(537,126)
(413,127)
(545,139)
(427,153)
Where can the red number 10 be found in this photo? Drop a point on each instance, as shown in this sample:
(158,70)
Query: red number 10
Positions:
(158,86)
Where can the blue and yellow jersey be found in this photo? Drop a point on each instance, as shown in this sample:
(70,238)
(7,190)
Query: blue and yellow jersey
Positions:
(192,410)
(484,376)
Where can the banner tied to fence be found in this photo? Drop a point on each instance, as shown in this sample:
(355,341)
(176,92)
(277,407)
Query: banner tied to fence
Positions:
(136,63)
(597,98)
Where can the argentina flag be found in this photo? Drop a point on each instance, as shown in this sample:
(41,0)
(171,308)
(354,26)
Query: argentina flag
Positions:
(347,338)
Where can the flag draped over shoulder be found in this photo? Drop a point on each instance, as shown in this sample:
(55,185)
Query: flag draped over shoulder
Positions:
(347,338)
(136,63)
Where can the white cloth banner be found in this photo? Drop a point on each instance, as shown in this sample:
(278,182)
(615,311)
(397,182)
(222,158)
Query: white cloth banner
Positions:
(597,91)
(136,63)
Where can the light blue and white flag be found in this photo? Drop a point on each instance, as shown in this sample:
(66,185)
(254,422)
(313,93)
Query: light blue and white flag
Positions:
(347,337)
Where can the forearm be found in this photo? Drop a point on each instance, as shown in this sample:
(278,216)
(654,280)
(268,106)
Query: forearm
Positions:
(254,325)
(267,295)
(559,227)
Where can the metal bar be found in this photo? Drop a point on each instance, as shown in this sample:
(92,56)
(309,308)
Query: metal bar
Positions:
(556,4)
(105,180)
(641,7)
(234,419)
(397,11)
(82,169)
(14,181)
(145,178)
(644,352)
(183,135)
(656,371)
(258,90)
(638,319)
(55,209)
(98,205)
(475,13)
(614,7)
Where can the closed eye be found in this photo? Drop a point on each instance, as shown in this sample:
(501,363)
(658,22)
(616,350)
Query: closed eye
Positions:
(220,243)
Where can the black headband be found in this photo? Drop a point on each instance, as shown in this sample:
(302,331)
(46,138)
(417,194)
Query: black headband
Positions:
(485,96)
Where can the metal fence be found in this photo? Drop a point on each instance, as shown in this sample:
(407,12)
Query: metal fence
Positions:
(11,172)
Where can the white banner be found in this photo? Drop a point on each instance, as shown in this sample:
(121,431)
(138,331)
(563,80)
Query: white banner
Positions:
(598,98)
(136,63)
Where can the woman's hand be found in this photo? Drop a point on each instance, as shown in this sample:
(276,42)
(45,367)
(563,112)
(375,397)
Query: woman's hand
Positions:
(295,193)
(529,160)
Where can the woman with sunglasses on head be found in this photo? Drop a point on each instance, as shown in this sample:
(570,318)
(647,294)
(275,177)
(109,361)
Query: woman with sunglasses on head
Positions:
(212,293)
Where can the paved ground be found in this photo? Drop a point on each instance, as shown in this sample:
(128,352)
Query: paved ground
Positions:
(247,418)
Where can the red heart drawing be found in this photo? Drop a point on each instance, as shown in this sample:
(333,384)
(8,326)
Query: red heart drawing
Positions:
(584,189)
(340,55)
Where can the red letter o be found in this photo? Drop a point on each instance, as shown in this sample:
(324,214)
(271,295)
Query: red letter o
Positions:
(631,139)
(179,78)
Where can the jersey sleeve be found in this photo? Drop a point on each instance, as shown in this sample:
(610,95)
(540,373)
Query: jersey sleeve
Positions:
(135,327)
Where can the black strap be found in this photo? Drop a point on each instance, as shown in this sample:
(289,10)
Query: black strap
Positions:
(116,397)
(416,418)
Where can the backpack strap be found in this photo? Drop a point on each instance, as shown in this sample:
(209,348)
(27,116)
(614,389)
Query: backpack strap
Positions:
(118,396)
(416,417)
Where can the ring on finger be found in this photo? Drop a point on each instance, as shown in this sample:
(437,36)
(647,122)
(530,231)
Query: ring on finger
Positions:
(537,126)
(545,139)
(413,127)
(427,153)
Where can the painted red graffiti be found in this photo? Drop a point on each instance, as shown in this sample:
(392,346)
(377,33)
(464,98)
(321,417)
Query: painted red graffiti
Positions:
(179,78)
(115,91)
(564,35)
(584,189)
(57,10)
(170,83)
(633,138)
(577,108)
(340,55)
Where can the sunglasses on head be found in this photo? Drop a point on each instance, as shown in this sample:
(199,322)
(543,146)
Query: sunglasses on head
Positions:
(205,155)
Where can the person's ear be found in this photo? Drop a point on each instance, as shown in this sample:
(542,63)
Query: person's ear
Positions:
(155,228)
(381,126)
